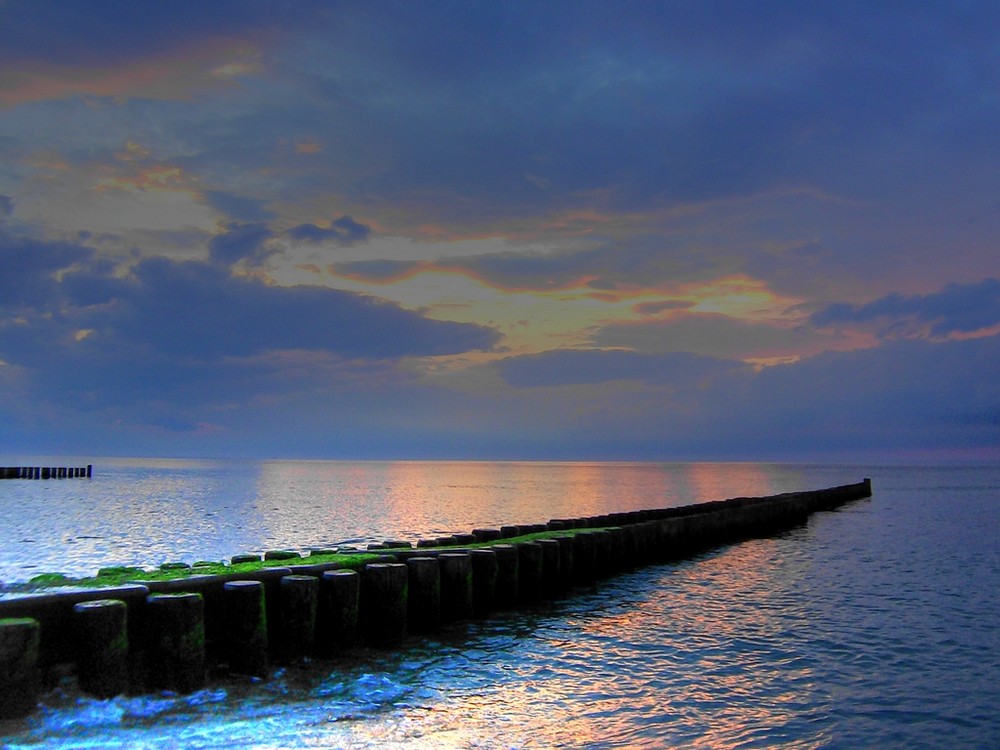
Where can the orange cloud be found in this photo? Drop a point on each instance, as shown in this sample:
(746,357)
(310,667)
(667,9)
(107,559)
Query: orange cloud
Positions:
(175,75)
(308,146)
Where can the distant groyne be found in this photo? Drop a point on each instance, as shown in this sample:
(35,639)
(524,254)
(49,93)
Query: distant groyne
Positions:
(179,633)
(47,472)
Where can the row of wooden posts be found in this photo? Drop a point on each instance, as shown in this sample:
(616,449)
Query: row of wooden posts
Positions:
(47,472)
(177,634)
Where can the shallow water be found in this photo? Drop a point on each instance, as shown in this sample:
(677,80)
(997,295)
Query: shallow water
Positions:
(872,626)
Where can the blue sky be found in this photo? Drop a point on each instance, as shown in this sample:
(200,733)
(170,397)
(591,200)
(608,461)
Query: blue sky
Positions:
(656,231)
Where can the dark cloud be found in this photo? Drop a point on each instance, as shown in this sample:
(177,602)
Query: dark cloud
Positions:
(342,231)
(176,345)
(28,278)
(527,108)
(903,396)
(241,242)
(6,207)
(957,308)
(200,310)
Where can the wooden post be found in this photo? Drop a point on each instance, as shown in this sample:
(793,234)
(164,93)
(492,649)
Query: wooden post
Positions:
(20,678)
(337,616)
(484,581)
(530,564)
(102,657)
(507,575)
(299,596)
(456,586)
(246,616)
(383,602)
(177,658)
(424,595)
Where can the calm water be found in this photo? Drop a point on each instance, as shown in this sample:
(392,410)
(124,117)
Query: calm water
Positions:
(874,626)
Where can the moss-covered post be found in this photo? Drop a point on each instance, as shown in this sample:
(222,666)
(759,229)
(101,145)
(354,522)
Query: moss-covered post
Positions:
(630,547)
(565,564)
(603,564)
(484,581)
(507,575)
(384,588)
(424,595)
(177,653)
(246,628)
(584,558)
(337,615)
(102,646)
(299,598)
(550,568)
(616,550)
(456,586)
(530,564)
(20,678)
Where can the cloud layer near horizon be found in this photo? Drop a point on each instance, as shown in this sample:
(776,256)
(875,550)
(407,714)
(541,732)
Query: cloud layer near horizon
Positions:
(520,230)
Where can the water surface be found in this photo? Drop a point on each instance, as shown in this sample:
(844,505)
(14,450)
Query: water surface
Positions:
(872,626)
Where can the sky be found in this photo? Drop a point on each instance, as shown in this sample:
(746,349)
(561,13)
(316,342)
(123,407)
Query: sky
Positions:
(677,230)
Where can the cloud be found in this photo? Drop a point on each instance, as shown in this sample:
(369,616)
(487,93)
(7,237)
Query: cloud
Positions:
(342,231)
(719,335)
(900,397)
(174,346)
(241,242)
(238,207)
(29,279)
(957,308)
(643,262)
(193,308)
(575,367)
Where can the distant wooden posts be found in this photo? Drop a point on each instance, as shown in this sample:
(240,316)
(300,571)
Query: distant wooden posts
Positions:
(47,472)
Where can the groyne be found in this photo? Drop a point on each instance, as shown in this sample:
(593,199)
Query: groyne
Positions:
(47,472)
(179,633)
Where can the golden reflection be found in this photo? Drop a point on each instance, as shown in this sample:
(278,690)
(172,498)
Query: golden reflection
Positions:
(309,503)
(713,481)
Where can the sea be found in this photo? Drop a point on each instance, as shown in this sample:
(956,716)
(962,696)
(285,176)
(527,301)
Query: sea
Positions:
(876,625)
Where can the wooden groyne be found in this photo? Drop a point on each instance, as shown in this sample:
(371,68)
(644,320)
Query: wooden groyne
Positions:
(177,634)
(47,472)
